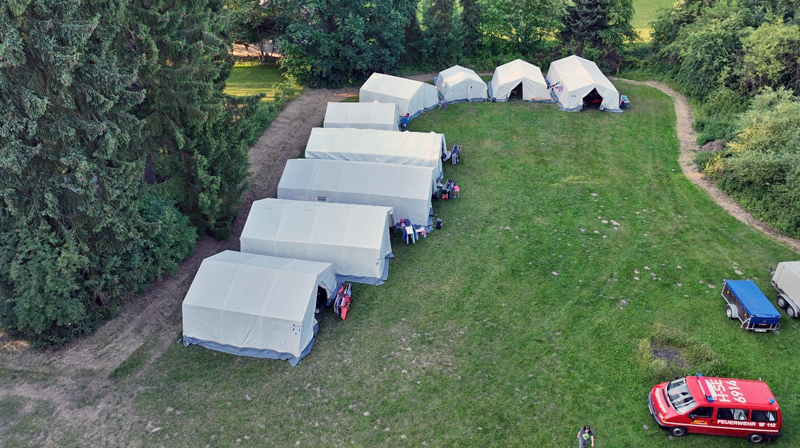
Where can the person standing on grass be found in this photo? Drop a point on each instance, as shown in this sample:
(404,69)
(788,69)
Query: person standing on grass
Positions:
(585,434)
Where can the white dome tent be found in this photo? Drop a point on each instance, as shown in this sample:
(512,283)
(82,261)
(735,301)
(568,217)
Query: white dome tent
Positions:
(574,78)
(254,305)
(353,238)
(517,76)
(411,97)
(458,84)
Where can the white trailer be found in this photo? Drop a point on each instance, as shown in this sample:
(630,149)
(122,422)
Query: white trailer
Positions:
(786,279)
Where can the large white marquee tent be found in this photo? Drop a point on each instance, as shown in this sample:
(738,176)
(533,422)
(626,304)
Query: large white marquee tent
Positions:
(254,305)
(460,84)
(353,238)
(573,77)
(385,116)
(412,97)
(369,145)
(514,74)
(407,189)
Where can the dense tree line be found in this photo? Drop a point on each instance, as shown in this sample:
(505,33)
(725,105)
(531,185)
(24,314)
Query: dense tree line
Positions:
(334,42)
(740,59)
(117,149)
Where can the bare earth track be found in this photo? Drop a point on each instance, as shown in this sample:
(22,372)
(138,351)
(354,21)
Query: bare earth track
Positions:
(79,372)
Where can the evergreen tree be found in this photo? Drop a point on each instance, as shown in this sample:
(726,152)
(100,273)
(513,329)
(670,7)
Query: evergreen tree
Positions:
(601,26)
(585,20)
(442,38)
(70,167)
(471,21)
(441,18)
(194,134)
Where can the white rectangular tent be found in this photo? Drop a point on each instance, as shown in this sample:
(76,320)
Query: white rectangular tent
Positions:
(573,77)
(369,145)
(254,305)
(407,189)
(384,116)
(511,75)
(460,84)
(353,238)
(412,97)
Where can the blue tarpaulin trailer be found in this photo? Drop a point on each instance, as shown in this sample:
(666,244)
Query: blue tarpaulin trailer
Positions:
(747,303)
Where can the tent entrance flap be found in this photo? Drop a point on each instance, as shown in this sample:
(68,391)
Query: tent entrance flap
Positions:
(516,92)
(593,99)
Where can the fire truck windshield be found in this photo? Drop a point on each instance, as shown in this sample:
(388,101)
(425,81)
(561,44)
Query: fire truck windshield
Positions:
(680,397)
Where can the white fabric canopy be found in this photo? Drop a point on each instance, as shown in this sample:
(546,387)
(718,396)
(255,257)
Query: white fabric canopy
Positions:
(574,77)
(460,84)
(407,189)
(353,238)
(369,145)
(510,75)
(384,116)
(412,97)
(254,305)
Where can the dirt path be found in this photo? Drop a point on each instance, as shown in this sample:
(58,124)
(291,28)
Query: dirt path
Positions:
(688,151)
(79,372)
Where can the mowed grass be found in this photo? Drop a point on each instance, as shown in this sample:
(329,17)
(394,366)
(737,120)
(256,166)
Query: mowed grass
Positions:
(250,79)
(646,11)
(522,319)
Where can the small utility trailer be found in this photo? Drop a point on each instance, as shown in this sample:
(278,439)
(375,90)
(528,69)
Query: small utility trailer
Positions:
(786,279)
(748,304)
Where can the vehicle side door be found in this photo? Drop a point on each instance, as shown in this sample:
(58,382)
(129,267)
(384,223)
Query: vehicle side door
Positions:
(702,419)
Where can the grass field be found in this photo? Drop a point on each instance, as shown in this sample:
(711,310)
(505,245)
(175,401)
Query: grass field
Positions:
(576,245)
(250,79)
(645,11)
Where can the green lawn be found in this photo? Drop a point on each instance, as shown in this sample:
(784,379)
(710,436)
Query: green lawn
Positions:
(577,242)
(645,11)
(522,318)
(251,79)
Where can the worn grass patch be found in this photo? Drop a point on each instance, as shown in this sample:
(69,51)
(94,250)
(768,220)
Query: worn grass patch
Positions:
(670,352)
(134,363)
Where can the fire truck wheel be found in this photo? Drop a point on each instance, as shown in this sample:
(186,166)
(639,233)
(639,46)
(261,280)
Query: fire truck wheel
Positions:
(755,438)
(679,431)
(781,302)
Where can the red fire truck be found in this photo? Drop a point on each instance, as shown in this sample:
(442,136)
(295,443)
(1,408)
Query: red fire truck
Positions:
(716,406)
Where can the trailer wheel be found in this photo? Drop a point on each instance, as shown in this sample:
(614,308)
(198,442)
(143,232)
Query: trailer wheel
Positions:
(679,431)
(782,302)
(755,438)
(791,312)
(731,312)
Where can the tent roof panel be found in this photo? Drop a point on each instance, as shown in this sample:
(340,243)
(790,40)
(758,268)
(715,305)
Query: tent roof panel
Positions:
(317,222)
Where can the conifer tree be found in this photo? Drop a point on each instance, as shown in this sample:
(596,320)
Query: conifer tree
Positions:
(70,167)
(194,134)
(585,20)
(471,20)
(601,25)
